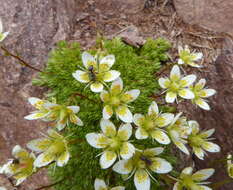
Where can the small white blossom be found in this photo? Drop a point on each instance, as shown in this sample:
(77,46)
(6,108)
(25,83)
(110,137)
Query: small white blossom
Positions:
(177,85)
(97,71)
(190,181)
(116,100)
(200,93)
(153,124)
(115,143)
(52,148)
(48,111)
(188,58)
(141,165)
(199,141)
(21,166)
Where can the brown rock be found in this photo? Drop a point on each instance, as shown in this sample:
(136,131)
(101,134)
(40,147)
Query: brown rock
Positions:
(213,14)
(34,28)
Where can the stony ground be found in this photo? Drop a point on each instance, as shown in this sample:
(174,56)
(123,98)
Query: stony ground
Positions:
(36,26)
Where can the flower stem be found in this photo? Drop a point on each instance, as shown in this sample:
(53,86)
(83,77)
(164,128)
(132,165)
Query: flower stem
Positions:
(21,61)
(50,185)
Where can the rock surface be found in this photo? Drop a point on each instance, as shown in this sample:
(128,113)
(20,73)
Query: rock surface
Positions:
(35,26)
(213,14)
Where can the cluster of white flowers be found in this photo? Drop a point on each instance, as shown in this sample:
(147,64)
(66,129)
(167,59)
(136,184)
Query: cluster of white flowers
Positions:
(116,143)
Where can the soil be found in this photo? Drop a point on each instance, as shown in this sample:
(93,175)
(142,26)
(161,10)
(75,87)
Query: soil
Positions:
(36,26)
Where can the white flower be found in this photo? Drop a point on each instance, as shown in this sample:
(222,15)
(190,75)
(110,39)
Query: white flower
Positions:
(141,165)
(116,100)
(188,58)
(115,143)
(3,35)
(52,148)
(152,124)
(101,185)
(199,141)
(200,93)
(195,181)
(178,131)
(96,71)
(177,85)
(21,166)
(48,111)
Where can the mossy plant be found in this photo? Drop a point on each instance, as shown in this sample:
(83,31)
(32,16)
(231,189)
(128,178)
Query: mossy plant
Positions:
(137,67)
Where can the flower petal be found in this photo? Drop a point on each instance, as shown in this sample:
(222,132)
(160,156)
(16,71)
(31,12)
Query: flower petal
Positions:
(124,114)
(160,166)
(203,187)
(177,186)
(87,59)
(123,167)
(117,86)
(81,76)
(131,95)
(180,62)
(203,175)
(153,108)
(20,179)
(97,140)
(200,84)
(211,147)
(107,159)
(181,146)
(76,120)
(197,56)
(160,136)
(202,104)
(186,94)
(97,87)
(164,82)
(108,60)
(74,109)
(108,128)
(164,119)
(195,126)
(36,115)
(175,73)
(170,97)
(39,145)
(151,152)
(187,80)
(100,184)
(205,93)
(124,132)
(111,75)
(63,159)
(127,150)
(33,101)
(44,159)
(141,133)
(107,112)
(141,180)
(198,152)
(104,96)
(137,118)
(207,133)
(187,171)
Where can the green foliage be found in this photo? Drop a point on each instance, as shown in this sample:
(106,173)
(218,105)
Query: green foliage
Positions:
(137,67)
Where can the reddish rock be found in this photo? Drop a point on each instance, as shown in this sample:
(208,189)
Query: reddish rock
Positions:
(213,14)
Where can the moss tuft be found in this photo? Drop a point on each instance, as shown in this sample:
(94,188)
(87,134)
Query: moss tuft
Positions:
(137,67)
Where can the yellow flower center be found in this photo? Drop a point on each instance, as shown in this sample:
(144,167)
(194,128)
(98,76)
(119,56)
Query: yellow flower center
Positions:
(115,101)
